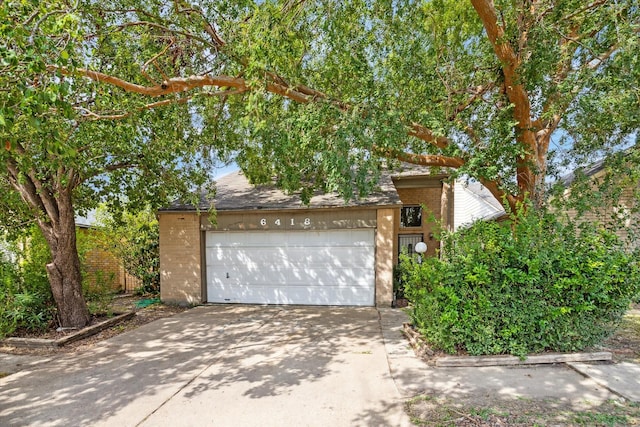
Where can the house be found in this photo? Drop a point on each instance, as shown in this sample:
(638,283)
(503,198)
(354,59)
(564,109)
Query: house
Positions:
(267,247)
(613,200)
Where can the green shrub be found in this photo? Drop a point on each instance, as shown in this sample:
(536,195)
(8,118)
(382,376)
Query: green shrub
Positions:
(25,297)
(526,285)
(135,239)
(98,290)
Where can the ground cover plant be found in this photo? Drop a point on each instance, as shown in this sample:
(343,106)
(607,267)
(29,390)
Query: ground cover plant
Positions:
(25,297)
(26,303)
(530,284)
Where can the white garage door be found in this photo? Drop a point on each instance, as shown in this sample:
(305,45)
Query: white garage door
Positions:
(333,267)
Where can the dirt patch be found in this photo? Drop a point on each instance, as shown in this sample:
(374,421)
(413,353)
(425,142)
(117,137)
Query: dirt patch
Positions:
(625,343)
(119,304)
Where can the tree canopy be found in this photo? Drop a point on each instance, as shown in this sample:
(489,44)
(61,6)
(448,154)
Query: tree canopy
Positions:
(317,92)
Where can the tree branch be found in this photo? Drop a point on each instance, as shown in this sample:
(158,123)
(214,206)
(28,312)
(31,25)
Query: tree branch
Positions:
(421,159)
(95,116)
(173,85)
(584,9)
(208,27)
(421,132)
(32,193)
(161,27)
(299,93)
(515,90)
(478,92)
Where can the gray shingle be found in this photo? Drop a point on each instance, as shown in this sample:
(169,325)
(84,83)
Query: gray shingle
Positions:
(234,192)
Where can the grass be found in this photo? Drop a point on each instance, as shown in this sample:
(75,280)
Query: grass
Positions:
(431,411)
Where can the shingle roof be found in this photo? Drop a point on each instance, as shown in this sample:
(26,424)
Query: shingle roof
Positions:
(589,170)
(234,192)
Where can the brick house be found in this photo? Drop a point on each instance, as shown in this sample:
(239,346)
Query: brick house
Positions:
(267,247)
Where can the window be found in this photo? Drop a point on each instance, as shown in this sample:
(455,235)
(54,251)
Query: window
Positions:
(407,243)
(411,216)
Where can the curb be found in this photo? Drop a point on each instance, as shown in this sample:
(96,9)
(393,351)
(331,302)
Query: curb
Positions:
(84,333)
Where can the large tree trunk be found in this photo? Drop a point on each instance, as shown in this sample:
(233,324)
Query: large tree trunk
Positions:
(49,196)
(64,273)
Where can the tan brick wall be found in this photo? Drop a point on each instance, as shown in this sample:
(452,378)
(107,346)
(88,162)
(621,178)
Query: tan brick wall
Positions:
(102,266)
(385,251)
(611,215)
(180,258)
(431,198)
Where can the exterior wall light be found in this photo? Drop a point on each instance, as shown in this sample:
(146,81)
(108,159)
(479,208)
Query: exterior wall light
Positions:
(420,248)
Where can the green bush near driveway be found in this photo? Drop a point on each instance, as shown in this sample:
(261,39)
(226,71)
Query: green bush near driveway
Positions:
(530,284)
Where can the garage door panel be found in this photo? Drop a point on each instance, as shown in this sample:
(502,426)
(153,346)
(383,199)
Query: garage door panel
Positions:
(323,268)
(289,276)
(257,258)
(302,294)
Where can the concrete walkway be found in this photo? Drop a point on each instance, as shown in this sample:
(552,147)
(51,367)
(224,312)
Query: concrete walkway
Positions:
(578,385)
(274,366)
(222,366)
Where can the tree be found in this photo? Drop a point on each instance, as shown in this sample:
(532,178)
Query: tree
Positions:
(55,161)
(134,239)
(503,91)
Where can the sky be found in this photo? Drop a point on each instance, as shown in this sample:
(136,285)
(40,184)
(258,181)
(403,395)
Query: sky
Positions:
(227,169)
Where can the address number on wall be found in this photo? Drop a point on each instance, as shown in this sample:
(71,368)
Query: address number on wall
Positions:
(280,222)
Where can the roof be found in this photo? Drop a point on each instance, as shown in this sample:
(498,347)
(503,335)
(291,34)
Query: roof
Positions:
(595,167)
(234,192)
(86,221)
(589,170)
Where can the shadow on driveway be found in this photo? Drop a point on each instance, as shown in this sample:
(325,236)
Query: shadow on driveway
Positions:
(219,365)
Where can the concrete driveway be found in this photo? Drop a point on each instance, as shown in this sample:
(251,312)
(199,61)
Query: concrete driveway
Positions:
(222,366)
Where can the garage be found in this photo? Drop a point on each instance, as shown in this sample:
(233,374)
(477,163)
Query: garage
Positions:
(325,267)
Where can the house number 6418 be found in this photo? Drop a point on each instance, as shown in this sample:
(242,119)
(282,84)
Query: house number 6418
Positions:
(278,221)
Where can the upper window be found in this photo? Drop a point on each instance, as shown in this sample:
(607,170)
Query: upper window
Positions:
(411,216)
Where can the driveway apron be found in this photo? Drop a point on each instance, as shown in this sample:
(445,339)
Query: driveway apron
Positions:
(219,366)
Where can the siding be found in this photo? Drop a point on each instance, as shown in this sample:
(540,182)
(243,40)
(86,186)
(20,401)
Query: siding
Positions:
(473,202)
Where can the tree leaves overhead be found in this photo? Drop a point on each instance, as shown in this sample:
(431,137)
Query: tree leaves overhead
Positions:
(318,93)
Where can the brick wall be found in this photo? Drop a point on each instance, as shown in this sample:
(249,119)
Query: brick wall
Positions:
(431,198)
(609,215)
(385,250)
(180,258)
(102,267)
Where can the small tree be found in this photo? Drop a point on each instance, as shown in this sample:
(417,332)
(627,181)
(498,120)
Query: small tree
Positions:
(134,239)
(57,161)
